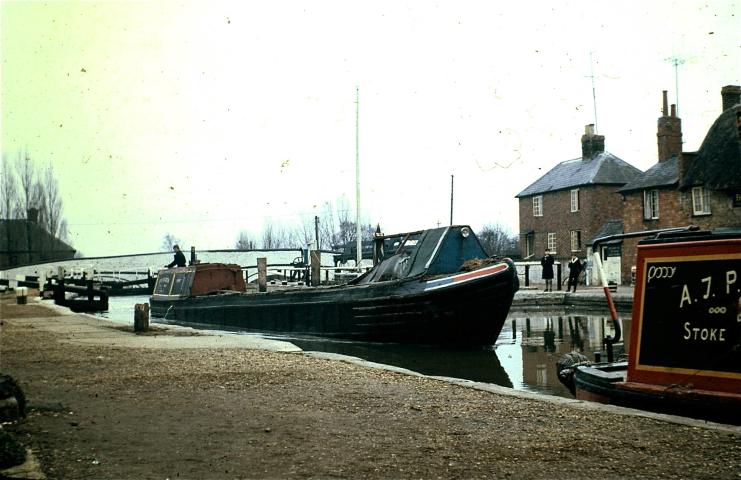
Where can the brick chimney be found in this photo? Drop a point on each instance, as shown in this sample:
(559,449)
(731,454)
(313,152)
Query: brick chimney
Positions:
(731,96)
(685,162)
(669,132)
(591,144)
(32,215)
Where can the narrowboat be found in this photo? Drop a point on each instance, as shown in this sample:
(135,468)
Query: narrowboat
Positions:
(434,286)
(684,356)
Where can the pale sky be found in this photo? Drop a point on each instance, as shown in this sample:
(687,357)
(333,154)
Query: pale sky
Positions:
(205,118)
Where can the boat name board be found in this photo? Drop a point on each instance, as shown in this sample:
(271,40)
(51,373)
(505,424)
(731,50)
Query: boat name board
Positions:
(689,315)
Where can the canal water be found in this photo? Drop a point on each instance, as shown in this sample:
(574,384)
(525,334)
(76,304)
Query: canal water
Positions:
(524,356)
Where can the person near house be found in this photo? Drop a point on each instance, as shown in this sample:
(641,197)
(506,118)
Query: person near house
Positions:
(547,263)
(179,259)
(575,268)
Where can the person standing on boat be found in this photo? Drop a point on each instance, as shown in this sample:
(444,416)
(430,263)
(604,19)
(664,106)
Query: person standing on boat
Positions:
(179,259)
(547,263)
(574,271)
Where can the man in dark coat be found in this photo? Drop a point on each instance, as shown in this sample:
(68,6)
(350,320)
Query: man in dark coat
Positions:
(547,263)
(179,259)
(574,271)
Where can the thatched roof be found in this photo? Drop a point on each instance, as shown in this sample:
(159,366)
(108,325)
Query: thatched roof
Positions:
(718,162)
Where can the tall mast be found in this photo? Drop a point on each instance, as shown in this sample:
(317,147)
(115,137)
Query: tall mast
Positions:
(358,239)
(594,91)
(451,200)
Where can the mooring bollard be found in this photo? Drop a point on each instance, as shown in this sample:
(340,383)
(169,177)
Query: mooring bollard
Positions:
(262,274)
(316,265)
(21,295)
(141,317)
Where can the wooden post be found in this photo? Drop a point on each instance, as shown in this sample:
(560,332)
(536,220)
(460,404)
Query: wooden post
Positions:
(316,263)
(59,291)
(141,317)
(262,274)
(527,275)
(559,283)
(21,295)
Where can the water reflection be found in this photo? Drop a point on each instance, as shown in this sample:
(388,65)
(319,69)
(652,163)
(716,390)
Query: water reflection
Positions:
(478,364)
(529,346)
(524,356)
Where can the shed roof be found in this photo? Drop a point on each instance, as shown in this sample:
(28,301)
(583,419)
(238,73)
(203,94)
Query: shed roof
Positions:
(604,169)
(609,228)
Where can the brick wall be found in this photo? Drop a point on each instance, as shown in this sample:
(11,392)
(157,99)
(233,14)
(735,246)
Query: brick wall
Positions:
(675,210)
(597,204)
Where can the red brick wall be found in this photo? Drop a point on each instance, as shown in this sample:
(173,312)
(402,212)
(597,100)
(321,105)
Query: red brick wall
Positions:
(675,210)
(597,204)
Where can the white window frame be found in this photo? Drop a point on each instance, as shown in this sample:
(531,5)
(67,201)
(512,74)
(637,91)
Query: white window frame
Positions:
(575,200)
(552,242)
(575,237)
(700,201)
(538,206)
(650,204)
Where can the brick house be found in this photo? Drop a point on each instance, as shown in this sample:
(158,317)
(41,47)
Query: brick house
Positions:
(700,188)
(573,201)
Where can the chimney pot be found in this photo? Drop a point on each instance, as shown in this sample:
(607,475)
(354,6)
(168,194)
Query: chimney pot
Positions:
(664,109)
(669,132)
(589,129)
(731,95)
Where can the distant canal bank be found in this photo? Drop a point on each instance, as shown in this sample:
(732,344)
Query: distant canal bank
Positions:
(539,329)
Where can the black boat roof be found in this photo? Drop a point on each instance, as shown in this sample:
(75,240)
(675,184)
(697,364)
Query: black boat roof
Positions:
(432,252)
(693,236)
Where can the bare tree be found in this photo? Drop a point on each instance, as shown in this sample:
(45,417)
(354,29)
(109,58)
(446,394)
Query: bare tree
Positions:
(169,241)
(327,226)
(28,184)
(497,239)
(50,208)
(336,227)
(8,190)
(276,236)
(63,231)
(244,241)
(268,236)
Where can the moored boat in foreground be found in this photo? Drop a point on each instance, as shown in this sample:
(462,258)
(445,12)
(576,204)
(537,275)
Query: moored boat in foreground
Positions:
(685,345)
(435,286)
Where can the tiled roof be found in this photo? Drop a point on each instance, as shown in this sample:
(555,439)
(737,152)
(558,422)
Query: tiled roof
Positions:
(662,174)
(718,161)
(604,169)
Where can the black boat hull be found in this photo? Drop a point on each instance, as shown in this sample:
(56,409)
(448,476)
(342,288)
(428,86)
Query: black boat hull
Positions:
(469,311)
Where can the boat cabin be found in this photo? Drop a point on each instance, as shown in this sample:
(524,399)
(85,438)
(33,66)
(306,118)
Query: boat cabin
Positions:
(199,279)
(432,252)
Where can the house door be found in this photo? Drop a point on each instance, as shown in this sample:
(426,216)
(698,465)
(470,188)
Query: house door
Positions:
(611,257)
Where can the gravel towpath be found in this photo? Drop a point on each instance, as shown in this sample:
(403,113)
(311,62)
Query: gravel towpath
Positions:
(106,403)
